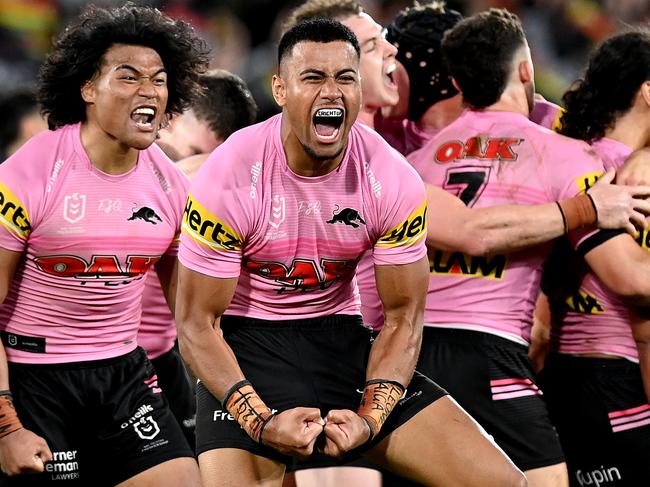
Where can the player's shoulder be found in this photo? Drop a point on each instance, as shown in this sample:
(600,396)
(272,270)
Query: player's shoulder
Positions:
(167,174)
(377,157)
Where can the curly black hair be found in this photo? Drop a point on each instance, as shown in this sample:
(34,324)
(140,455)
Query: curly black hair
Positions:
(615,72)
(479,51)
(79,50)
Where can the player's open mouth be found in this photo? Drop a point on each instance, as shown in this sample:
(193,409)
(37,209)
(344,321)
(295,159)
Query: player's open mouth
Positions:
(327,123)
(389,80)
(144,117)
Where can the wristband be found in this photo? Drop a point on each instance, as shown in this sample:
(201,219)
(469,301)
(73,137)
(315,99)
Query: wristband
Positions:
(379,398)
(9,421)
(578,212)
(248,409)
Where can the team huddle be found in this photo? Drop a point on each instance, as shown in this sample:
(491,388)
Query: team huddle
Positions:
(420,272)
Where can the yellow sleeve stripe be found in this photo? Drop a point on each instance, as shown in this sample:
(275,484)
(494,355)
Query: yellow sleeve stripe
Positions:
(409,231)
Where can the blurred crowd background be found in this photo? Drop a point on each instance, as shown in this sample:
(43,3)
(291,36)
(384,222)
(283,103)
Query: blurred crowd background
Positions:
(243,33)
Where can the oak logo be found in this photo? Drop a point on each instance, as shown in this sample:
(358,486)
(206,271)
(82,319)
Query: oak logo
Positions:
(208,230)
(482,148)
(583,302)
(99,267)
(457,263)
(409,231)
(13,215)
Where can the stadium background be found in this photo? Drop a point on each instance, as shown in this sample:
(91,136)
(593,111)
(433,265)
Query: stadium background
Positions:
(243,33)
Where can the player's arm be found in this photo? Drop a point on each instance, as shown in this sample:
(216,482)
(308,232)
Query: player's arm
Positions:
(479,231)
(21,451)
(201,301)
(167,271)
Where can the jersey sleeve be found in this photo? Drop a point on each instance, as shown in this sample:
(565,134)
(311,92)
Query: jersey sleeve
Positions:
(21,194)
(181,186)
(402,217)
(218,216)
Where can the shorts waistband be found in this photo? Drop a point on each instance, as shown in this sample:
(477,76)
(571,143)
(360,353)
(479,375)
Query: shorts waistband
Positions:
(567,361)
(456,335)
(86,364)
(322,322)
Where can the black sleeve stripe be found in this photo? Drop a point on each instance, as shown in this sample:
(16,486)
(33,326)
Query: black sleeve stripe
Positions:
(598,238)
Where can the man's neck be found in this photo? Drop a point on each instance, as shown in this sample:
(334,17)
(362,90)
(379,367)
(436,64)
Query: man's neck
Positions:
(441,114)
(106,153)
(367,115)
(302,163)
(631,129)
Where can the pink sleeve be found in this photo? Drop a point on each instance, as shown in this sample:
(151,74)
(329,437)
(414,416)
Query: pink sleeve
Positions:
(181,186)
(21,194)
(217,216)
(575,169)
(402,217)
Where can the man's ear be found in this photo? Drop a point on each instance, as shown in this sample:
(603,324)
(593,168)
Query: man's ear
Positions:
(279,90)
(526,72)
(88,91)
(453,82)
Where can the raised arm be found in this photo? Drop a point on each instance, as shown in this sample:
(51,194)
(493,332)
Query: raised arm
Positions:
(479,231)
(21,451)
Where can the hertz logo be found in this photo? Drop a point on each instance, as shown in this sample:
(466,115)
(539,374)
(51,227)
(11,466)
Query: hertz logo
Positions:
(587,180)
(457,263)
(582,302)
(409,231)
(643,239)
(207,229)
(13,215)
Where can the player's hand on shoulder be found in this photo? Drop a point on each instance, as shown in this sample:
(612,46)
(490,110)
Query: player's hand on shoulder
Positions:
(620,206)
(23,452)
(636,170)
(294,431)
(344,430)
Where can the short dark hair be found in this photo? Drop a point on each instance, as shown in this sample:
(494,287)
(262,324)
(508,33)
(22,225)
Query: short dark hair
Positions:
(479,51)
(14,106)
(615,72)
(417,33)
(328,9)
(227,104)
(316,30)
(79,50)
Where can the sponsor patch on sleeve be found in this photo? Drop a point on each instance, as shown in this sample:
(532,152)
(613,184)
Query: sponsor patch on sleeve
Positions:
(587,180)
(13,214)
(409,231)
(208,230)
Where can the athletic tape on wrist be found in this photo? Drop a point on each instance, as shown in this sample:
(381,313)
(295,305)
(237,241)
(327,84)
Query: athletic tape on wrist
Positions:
(248,409)
(578,212)
(379,398)
(9,421)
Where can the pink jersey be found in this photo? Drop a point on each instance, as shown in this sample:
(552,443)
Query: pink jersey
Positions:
(89,238)
(547,114)
(402,135)
(491,158)
(596,320)
(293,241)
(157,332)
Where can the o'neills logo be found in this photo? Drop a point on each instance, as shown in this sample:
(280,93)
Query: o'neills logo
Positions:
(13,215)
(208,230)
(256,169)
(409,231)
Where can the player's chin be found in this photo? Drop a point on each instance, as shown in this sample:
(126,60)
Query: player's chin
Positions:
(141,141)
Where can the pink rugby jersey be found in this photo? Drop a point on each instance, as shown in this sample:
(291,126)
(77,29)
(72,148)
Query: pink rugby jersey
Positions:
(403,135)
(490,158)
(547,114)
(89,238)
(293,241)
(596,320)
(157,332)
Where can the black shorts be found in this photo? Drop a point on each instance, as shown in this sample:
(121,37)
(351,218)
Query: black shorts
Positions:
(493,380)
(104,421)
(317,363)
(174,380)
(603,418)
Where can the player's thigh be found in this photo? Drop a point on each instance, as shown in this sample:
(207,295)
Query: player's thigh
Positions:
(443,446)
(338,477)
(227,467)
(551,476)
(178,472)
